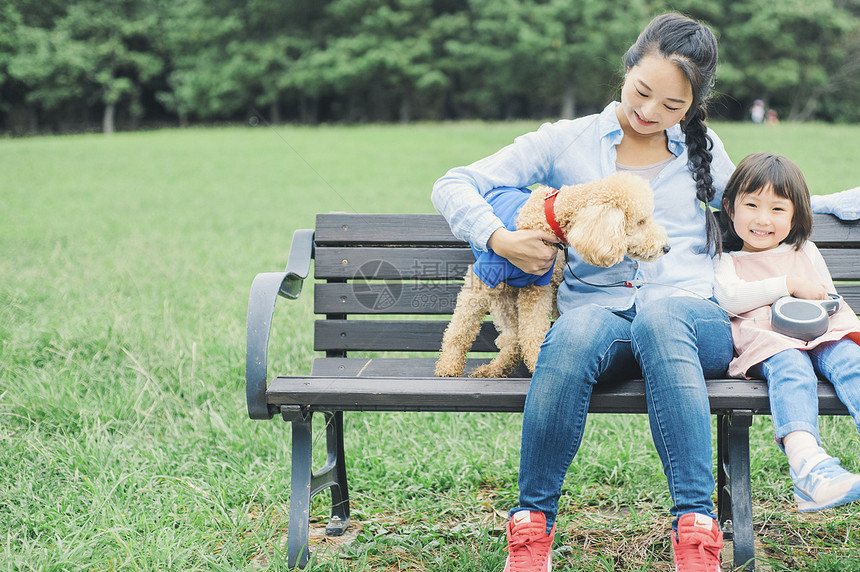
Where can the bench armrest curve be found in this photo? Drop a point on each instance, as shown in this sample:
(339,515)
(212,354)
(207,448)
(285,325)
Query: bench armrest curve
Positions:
(298,264)
(265,289)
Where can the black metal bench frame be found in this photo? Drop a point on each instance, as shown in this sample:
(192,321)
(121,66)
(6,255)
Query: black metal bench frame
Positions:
(378,265)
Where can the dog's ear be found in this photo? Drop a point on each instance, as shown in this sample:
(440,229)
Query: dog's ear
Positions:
(597,234)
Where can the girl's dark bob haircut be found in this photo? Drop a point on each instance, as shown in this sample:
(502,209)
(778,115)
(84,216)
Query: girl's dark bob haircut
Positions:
(756,172)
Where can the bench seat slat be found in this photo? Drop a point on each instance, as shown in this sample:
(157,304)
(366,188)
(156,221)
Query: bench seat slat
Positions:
(468,394)
(391,367)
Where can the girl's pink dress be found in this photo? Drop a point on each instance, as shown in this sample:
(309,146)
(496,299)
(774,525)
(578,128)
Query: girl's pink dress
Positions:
(754,339)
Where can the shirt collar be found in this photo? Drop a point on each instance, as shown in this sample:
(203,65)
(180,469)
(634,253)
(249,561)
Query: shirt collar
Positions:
(610,128)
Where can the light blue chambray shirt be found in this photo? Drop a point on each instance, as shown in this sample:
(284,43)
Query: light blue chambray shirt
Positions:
(571,152)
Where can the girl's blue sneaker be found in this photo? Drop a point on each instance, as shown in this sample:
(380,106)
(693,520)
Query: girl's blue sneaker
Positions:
(823,483)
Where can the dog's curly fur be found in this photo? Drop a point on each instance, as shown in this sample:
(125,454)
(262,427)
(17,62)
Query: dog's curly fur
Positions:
(603,221)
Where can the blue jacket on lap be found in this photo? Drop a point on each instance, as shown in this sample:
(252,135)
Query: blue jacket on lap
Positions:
(491,268)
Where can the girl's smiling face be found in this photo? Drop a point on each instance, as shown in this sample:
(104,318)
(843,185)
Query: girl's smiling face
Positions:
(656,95)
(762,219)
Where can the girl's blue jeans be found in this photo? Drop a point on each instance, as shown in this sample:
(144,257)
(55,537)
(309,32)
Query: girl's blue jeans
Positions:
(675,343)
(792,381)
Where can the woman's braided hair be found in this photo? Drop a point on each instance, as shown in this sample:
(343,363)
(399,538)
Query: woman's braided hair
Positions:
(693,48)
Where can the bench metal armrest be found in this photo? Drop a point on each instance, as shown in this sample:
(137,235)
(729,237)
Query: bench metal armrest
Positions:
(265,289)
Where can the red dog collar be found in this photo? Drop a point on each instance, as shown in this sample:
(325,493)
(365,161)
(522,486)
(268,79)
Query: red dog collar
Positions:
(549,211)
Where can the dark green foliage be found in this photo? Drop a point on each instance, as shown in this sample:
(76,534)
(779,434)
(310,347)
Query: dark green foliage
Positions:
(64,65)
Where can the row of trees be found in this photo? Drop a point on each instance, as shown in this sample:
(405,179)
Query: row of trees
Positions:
(67,62)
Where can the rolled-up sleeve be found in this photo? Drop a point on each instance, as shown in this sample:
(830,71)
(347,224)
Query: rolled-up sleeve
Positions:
(459,194)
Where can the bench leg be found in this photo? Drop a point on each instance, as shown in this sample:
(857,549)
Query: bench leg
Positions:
(724,498)
(306,483)
(300,491)
(333,475)
(734,496)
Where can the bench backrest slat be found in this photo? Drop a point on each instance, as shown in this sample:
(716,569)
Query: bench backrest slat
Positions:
(410,267)
(391,335)
(424,298)
(827,230)
(342,228)
(391,263)
(841,262)
(402,263)
(409,297)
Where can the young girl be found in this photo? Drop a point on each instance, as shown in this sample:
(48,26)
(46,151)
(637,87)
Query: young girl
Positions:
(670,337)
(766,210)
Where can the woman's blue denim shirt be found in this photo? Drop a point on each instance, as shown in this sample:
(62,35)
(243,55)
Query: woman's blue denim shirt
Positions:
(576,151)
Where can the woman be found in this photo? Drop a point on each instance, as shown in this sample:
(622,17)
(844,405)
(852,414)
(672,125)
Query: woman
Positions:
(673,336)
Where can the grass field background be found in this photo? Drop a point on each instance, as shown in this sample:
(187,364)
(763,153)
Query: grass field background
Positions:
(125,267)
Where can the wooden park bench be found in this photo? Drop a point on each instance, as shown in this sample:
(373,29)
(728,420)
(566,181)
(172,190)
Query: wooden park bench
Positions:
(398,274)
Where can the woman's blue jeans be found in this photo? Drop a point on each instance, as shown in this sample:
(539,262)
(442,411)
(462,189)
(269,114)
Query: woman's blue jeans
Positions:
(675,343)
(792,381)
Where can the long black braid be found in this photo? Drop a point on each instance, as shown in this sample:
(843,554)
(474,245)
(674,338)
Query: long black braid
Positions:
(699,145)
(693,48)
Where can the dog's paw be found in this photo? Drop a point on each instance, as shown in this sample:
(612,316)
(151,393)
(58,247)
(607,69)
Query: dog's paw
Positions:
(447,369)
(487,370)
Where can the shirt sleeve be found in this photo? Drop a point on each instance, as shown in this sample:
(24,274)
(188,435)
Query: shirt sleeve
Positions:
(459,194)
(738,296)
(844,204)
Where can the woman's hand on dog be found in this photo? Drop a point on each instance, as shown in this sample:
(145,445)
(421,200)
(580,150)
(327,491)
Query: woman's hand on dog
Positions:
(532,251)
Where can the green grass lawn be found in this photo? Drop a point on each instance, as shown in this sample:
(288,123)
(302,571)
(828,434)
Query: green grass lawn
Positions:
(125,267)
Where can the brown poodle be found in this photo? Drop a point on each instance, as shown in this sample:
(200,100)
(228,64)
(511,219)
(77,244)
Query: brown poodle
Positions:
(603,221)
